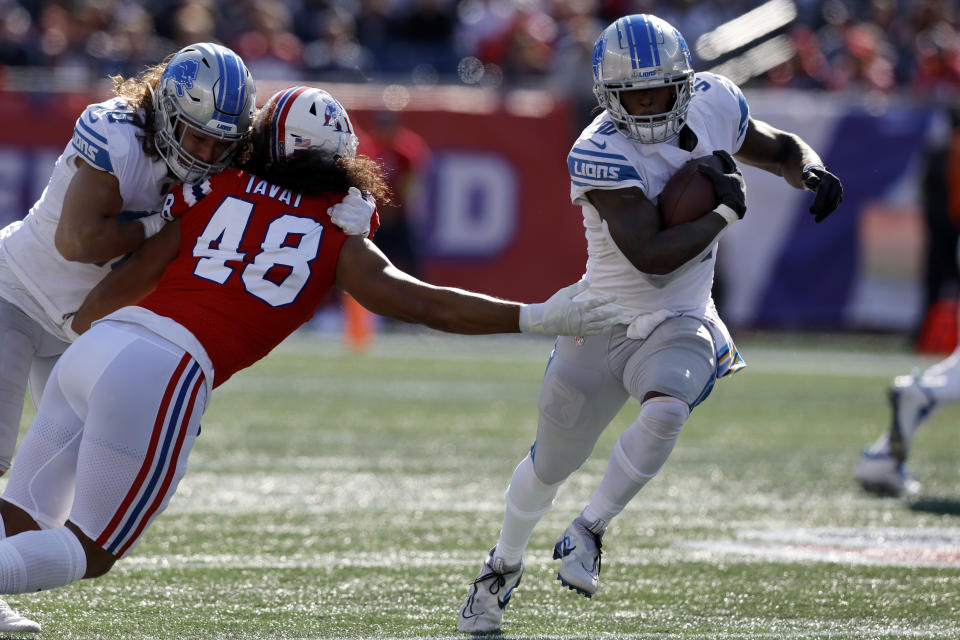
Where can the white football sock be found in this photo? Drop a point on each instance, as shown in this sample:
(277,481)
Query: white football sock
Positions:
(637,456)
(36,560)
(528,499)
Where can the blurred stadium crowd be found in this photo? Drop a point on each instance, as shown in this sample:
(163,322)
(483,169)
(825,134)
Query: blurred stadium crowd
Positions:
(837,45)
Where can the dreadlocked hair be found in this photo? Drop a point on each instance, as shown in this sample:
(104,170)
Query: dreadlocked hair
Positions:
(138,92)
(313,172)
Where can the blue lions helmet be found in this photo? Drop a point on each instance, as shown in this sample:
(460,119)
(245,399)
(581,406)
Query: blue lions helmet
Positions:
(642,51)
(204,88)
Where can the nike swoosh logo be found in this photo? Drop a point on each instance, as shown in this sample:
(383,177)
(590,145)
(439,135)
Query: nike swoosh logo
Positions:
(599,146)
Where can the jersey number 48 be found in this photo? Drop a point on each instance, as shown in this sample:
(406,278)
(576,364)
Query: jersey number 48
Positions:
(278,272)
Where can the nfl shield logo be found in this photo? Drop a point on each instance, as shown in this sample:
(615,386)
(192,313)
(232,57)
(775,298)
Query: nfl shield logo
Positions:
(579,340)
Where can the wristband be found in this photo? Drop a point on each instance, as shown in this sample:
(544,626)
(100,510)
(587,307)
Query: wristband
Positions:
(151,224)
(811,166)
(531,318)
(727,214)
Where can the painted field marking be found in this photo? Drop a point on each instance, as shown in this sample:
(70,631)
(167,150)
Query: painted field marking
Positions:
(900,547)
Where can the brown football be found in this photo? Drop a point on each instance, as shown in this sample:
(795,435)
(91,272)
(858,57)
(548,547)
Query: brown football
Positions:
(689,194)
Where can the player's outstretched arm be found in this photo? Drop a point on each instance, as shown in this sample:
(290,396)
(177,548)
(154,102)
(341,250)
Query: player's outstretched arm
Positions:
(88,230)
(367,275)
(131,281)
(787,155)
(633,223)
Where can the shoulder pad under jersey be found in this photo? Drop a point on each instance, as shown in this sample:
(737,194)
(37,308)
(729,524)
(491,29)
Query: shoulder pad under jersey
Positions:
(599,160)
(103,134)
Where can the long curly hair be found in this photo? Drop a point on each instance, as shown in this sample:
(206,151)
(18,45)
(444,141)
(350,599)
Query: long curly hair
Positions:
(313,171)
(138,92)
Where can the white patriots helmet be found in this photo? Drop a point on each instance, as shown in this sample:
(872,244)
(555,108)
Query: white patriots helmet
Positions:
(205,88)
(641,51)
(302,118)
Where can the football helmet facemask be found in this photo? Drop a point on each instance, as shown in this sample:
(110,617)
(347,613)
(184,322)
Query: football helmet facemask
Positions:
(301,118)
(642,51)
(204,88)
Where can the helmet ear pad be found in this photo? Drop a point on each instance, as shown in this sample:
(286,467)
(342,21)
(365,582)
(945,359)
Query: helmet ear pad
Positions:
(204,88)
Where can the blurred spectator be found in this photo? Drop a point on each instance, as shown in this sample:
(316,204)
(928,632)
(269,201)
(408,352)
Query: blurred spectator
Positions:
(193,22)
(268,47)
(406,159)
(18,40)
(335,53)
(573,62)
(131,43)
(847,45)
(940,191)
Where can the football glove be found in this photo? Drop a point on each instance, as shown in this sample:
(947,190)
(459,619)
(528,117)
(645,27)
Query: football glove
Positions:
(729,184)
(353,213)
(561,316)
(828,188)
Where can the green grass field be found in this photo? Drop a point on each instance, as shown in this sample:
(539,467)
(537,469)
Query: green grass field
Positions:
(340,496)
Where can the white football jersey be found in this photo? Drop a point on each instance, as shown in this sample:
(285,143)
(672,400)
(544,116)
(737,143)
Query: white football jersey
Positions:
(33,274)
(603,158)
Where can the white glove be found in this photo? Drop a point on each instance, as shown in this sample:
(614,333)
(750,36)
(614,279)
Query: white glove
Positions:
(151,224)
(561,316)
(353,213)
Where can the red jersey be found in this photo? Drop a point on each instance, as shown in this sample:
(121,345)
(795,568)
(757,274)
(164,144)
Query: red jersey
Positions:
(255,261)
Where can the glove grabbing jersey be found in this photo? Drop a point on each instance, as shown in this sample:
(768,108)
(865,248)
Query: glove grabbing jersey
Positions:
(560,315)
(353,213)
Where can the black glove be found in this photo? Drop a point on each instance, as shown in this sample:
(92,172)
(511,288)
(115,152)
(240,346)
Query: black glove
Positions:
(827,187)
(729,184)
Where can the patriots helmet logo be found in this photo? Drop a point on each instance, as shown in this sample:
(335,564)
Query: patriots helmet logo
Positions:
(332,116)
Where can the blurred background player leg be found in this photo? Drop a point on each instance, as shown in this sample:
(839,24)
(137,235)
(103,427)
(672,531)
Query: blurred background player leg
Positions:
(913,399)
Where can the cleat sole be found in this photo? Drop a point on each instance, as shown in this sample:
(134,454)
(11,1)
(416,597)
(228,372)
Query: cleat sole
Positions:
(573,587)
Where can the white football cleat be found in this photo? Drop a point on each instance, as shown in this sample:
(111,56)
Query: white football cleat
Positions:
(881,468)
(13,622)
(489,595)
(910,404)
(579,549)
(881,473)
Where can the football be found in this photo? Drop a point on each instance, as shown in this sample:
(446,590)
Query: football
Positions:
(689,194)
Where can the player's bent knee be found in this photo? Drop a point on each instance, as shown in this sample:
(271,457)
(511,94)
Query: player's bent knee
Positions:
(665,415)
(99,560)
(15,519)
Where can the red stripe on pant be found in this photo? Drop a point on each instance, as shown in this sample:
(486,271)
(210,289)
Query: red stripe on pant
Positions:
(151,451)
(171,469)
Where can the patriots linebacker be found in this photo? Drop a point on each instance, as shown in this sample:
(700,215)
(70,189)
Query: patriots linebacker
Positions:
(247,257)
(670,345)
(179,121)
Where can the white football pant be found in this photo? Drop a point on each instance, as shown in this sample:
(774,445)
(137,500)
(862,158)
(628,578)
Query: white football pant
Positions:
(27,356)
(112,435)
